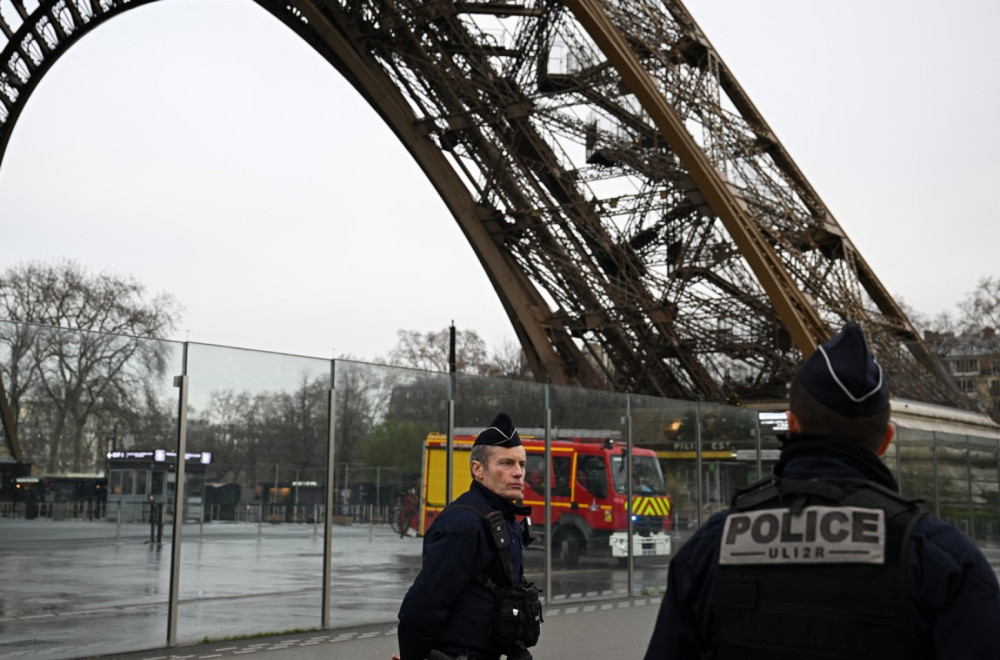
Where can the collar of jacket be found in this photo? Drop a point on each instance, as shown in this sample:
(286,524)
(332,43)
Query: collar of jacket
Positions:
(499,503)
(808,447)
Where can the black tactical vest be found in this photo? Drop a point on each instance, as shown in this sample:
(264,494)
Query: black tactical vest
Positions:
(517,617)
(813,569)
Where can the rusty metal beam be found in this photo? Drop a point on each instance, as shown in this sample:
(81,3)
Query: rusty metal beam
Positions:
(798,314)
(526,308)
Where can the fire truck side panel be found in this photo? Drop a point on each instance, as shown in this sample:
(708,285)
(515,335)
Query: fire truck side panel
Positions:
(435,474)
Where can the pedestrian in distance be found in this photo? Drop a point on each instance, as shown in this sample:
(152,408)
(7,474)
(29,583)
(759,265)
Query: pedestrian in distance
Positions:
(408,514)
(470,600)
(826,559)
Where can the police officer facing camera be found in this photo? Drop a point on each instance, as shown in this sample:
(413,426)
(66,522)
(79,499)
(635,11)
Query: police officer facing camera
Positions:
(470,599)
(825,559)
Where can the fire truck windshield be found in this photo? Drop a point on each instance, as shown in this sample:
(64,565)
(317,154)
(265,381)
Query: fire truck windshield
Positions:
(647,478)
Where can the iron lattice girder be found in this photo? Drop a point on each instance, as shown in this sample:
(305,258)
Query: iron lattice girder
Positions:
(33,41)
(638,219)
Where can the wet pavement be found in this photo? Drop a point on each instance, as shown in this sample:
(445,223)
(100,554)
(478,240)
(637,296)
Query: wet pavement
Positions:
(78,588)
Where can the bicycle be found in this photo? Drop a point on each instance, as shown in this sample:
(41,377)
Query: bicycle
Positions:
(403,516)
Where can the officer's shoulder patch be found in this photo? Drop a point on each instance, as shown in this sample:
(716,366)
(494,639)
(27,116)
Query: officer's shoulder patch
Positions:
(816,535)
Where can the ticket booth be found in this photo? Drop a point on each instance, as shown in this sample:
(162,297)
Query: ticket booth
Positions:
(142,484)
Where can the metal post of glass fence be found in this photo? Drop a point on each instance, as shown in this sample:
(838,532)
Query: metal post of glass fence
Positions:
(937,490)
(759,446)
(968,475)
(548,495)
(629,497)
(450,454)
(697,459)
(180,497)
(328,518)
(273,499)
(896,441)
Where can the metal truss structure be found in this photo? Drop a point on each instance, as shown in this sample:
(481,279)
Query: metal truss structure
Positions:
(639,220)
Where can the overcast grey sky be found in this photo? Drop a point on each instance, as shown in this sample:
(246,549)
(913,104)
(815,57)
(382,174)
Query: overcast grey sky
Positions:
(202,147)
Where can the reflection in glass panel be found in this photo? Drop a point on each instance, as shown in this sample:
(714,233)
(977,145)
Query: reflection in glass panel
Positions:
(75,397)
(254,504)
(728,453)
(383,418)
(658,425)
(590,524)
(983,463)
(891,458)
(115,482)
(953,479)
(918,478)
(479,399)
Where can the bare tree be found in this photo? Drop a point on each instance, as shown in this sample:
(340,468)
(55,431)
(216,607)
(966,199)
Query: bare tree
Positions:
(930,326)
(75,342)
(980,309)
(430,350)
(507,361)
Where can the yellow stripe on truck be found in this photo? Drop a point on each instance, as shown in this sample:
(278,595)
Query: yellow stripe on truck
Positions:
(651,506)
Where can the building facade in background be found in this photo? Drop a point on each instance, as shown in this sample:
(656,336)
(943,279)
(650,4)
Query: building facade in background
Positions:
(973,360)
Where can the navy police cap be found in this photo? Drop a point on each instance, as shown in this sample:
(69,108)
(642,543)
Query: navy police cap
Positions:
(842,375)
(501,433)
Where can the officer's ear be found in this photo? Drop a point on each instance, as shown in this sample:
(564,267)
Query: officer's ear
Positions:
(890,433)
(478,470)
(793,422)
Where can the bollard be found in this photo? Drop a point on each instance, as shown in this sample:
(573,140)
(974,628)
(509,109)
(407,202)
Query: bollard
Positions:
(159,522)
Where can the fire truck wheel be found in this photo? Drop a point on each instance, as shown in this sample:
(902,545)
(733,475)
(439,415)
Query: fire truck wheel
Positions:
(569,543)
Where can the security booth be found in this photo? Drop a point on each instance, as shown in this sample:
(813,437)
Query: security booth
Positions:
(142,485)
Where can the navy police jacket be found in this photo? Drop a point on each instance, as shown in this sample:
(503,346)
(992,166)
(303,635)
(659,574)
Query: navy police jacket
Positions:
(446,609)
(952,594)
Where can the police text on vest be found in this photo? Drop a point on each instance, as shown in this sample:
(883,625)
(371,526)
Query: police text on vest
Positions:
(817,535)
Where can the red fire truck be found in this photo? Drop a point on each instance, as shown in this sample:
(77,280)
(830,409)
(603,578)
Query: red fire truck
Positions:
(589,491)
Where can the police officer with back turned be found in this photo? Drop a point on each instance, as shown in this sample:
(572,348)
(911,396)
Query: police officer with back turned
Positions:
(826,559)
(470,599)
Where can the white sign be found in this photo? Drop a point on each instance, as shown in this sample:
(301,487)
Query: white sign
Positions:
(773,422)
